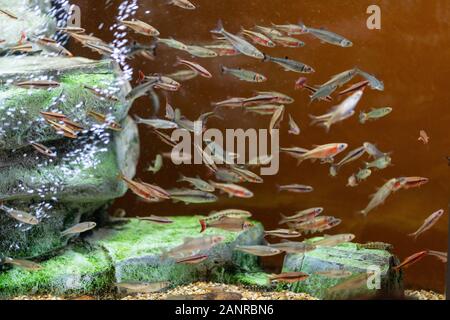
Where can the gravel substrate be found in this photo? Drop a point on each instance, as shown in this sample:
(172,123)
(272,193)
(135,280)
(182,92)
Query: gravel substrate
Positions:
(217,291)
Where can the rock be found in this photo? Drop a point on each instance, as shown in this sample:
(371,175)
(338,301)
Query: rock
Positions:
(129,252)
(346,257)
(33,20)
(82,179)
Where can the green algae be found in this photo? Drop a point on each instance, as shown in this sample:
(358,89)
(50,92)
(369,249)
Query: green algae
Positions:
(130,252)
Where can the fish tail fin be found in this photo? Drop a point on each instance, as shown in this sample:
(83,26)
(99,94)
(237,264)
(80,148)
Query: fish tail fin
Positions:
(181,178)
(414,235)
(203,225)
(283,219)
(137,119)
(314,119)
(219,29)
(362,117)
(177,63)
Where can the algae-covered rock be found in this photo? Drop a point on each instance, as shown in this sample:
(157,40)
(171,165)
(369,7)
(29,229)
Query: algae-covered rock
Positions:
(129,252)
(343,257)
(82,178)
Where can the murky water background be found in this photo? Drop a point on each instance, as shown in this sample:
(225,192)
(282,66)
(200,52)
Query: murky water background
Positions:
(410,54)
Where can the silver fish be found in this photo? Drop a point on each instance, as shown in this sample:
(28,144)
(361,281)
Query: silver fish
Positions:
(293,127)
(290,65)
(25,264)
(201,52)
(192,196)
(428,223)
(156,123)
(79,228)
(19,215)
(328,36)
(198,183)
(191,245)
(240,44)
(351,156)
(156,165)
(261,251)
(380,196)
(374,83)
(293,246)
(244,75)
(142,287)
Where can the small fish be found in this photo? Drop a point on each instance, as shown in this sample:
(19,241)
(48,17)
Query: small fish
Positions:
(276,119)
(9,14)
(192,196)
(156,219)
(374,114)
(373,151)
(288,42)
(428,223)
(156,123)
(156,164)
(163,82)
(301,216)
(355,87)
(269,31)
(102,118)
(227,175)
(101,94)
(423,136)
(238,43)
(380,196)
(201,52)
(375,246)
(165,138)
(260,161)
(381,163)
(141,27)
(53,115)
(230,224)
(300,83)
(37,84)
(334,240)
(264,109)
(294,151)
(195,259)
(51,46)
(198,183)
(352,181)
(260,251)
(442,256)
(263,97)
(84,38)
(43,149)
(328,36)
(223,49)
(290,29)
(184,4)
(363,174)
(290,65)
(282,233)
(233,190)
(247,175)
(414,182)
(374,83)
(142,287)
(79,228)
(62,129)
(144,190)
(76,30)
(353,283)
(293,127)
(289,277)
(325,151)
(334,274)
(340,79)
(298,188)
(258,38)
(103,49)
(351,156)
(172,43)
(25,264)
(183,75)
(194,66)
(19,215)
(293,246)
(244,75)
(411,260)
(228,213)
(317,224)
(230,103)
(191,245)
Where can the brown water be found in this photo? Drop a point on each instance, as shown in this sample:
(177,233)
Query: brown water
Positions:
(408,54)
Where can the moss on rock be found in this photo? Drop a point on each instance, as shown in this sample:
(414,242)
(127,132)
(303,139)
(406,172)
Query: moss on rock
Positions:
(344,257)
(129,252)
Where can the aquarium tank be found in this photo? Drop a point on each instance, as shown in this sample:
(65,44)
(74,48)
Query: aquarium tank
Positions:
(224,150)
